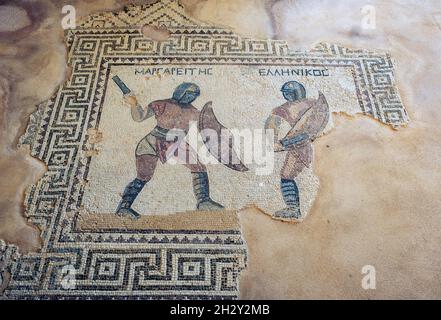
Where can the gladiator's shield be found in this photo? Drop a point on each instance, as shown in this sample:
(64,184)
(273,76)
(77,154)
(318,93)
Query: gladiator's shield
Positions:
(218,139)
(311,125)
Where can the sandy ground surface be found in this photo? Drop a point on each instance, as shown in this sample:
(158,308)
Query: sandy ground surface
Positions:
(379,200)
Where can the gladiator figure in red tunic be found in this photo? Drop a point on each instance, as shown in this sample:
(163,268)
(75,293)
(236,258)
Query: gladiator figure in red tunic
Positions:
(175,113)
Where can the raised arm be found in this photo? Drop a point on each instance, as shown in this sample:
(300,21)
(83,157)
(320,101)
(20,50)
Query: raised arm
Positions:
(139,113)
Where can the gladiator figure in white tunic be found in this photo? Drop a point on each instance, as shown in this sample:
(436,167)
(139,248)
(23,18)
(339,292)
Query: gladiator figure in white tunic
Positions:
(307,119)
